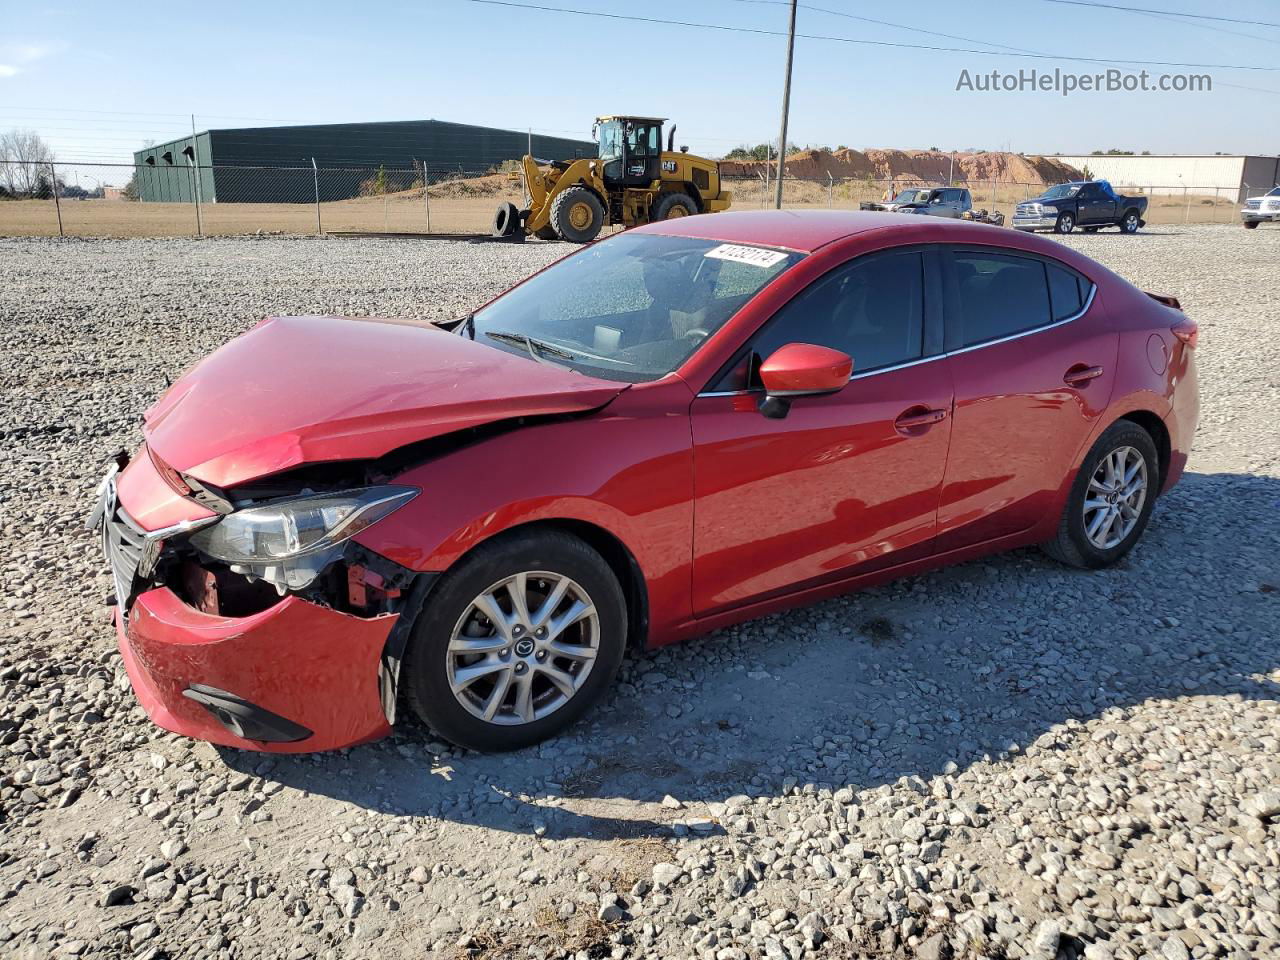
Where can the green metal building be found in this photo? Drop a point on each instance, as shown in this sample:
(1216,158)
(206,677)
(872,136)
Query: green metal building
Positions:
(275,164)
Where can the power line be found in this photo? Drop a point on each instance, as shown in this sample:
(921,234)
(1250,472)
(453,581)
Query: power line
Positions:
(1176,13)
(1038,53)
(1173,18)
(872,43)
(889,23)
(1170,17)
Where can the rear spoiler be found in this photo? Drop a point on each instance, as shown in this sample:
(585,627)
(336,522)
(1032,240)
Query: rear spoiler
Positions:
(1168,301)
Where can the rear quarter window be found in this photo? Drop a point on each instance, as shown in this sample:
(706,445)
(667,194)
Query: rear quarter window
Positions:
(1067,291)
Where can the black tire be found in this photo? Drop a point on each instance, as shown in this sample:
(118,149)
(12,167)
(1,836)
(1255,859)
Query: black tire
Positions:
(1066,223)
(1130,222)
(670,205)
(577,215)
(1089,229)
(506,220)
(1072,545)
(425,670)
(546,233)
(1251,224)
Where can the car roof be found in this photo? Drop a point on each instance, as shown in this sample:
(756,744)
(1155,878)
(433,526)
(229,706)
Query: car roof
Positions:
(807,230)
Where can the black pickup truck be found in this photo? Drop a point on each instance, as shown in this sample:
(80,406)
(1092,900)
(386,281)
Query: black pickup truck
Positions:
(1088,204)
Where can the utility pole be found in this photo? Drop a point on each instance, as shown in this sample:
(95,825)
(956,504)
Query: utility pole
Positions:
(786,107)
(195,176)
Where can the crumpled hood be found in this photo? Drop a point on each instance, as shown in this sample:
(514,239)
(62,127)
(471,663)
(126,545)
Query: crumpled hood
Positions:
(299,390)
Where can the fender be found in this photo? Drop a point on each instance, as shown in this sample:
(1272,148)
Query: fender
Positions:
(551,472)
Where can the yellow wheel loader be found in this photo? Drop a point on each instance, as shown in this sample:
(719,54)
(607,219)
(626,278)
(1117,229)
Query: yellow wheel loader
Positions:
(631,181)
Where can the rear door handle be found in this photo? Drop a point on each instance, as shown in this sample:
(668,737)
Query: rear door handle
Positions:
(1081,374)
(915,417)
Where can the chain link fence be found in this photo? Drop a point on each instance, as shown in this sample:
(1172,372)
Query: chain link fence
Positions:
(1165,204)
(105,200)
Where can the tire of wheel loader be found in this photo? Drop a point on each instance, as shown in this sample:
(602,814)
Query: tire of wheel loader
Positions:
(546,233)
(673,205)
(506,220)
(577,215)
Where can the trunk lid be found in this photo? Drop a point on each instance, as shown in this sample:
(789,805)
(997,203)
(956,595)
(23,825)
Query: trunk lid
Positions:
(299,390)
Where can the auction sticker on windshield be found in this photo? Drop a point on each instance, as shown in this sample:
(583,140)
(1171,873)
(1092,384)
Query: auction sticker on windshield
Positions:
(752,255)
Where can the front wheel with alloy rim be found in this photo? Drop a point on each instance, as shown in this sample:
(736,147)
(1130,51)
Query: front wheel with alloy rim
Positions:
(1066,223)
(1111,499)
(516,642)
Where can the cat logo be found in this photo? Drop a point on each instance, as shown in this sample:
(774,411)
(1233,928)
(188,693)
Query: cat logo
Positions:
(668,166)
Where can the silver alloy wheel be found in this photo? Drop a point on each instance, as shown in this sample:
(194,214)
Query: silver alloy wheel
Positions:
(523,648)
(1114,500)
(1066,223)
(1131,223)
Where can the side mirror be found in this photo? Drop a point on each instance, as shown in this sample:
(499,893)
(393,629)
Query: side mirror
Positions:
(801,370)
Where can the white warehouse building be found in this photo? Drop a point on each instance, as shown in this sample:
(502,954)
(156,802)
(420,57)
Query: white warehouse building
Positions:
(1228,178)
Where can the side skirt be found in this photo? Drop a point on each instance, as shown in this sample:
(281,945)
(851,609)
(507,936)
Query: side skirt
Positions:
(804,597)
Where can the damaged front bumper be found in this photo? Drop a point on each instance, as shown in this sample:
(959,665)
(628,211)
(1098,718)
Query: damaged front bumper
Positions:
(295,677)
(220,657)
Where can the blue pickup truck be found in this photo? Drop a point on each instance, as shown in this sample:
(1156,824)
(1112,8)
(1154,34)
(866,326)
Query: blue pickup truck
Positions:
(1087,204)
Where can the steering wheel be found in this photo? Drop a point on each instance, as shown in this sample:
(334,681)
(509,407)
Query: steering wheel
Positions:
(696,334)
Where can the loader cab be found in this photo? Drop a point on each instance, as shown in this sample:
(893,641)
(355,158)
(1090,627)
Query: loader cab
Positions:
(630,150)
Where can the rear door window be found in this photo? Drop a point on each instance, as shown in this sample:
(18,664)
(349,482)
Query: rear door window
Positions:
(998,295)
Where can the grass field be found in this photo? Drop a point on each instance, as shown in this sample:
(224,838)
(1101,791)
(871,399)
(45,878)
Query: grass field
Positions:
(408,212)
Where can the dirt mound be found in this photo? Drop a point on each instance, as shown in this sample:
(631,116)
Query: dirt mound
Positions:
(489,185)
(914,166)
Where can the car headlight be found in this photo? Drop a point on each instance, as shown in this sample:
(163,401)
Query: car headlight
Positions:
(299,526)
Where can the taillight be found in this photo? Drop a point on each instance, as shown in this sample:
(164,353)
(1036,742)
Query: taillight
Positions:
(1186,330)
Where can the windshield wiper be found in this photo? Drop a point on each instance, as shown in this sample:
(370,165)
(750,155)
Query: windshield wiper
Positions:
(535,347)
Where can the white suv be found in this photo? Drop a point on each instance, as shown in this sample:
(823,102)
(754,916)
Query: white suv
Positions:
(1264,209)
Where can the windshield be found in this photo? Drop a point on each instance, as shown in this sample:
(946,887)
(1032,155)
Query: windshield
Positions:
(1061,191)
(610,134)
(633,307)
(911,196)
(1275,192)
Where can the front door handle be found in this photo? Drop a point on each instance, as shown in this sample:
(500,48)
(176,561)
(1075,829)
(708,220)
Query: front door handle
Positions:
(915,417)
(1081,374)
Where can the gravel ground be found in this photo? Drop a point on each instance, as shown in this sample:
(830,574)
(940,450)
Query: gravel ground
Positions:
(1006,758)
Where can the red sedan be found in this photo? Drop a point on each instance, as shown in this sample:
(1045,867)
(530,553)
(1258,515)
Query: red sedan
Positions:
(675,429)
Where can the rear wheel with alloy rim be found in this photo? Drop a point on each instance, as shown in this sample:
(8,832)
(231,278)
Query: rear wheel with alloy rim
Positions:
(1130,223)
(516,642)
(1111,499)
